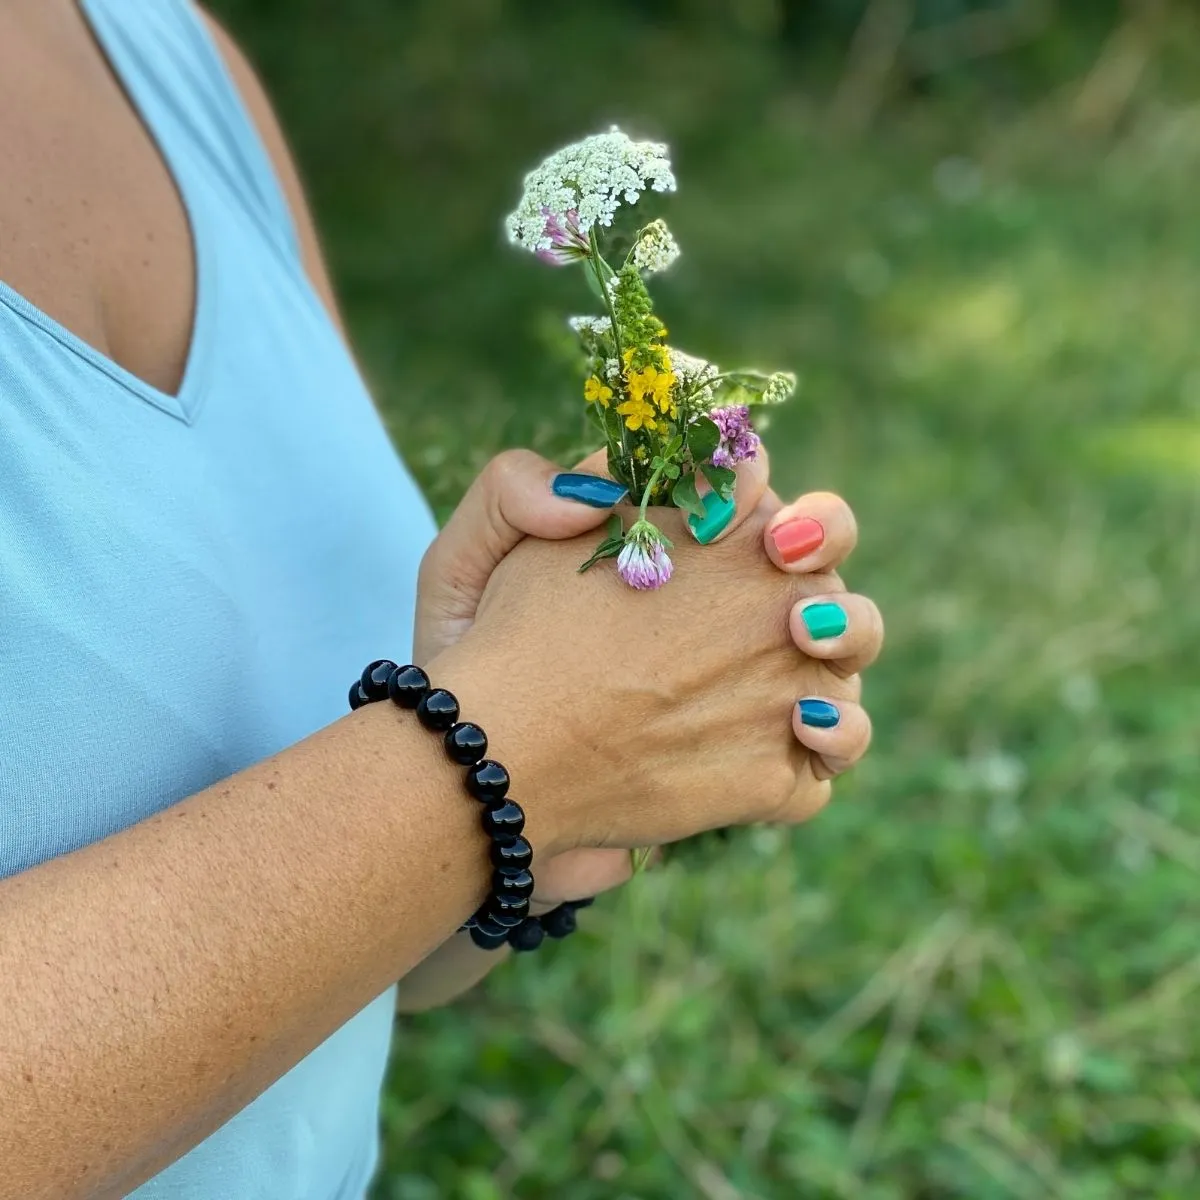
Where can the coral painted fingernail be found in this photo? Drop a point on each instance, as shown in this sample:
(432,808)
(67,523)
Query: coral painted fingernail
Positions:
(820,714)
(825,620)
(592,490)
(717,514)
(797,538)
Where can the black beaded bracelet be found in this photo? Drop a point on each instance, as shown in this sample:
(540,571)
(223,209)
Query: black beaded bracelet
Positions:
(504,916)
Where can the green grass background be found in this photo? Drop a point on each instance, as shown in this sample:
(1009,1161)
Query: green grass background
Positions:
(978,974)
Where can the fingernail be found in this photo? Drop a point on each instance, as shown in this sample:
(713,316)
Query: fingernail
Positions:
(820,714)
(797,538)
(717,514)
(825,620)
(592,490)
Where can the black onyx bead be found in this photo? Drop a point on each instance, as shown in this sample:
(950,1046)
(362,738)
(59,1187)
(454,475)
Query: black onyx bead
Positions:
(407,685)
(512,885)
(375,678)
(438,710)
(487,924)
(357,699)
(466,743)
(504,820)
(512,858)
(487,941)
(527,936)
(559,922)
(498,906)
(509,913)
(487,780)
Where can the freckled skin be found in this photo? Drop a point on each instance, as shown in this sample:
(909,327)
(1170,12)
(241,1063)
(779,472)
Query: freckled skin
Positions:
(137,1035)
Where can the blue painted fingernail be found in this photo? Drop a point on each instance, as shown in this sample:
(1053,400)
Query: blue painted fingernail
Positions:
(717,514)
(592,490)
(820,714)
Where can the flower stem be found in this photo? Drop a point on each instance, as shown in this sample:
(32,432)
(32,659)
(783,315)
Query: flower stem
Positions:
(654,478)
(598,265)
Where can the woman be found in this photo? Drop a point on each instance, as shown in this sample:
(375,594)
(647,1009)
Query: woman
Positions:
(210,879)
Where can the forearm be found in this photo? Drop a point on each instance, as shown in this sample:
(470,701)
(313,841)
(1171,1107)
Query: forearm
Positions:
(154,983)
(454,968)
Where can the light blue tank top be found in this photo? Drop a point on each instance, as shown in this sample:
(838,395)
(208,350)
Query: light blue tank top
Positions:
(189,583)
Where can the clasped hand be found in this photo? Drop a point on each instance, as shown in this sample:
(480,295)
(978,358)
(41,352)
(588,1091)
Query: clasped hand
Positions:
(629,719)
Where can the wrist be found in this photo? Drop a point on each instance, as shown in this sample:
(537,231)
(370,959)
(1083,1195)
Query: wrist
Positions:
(516,737)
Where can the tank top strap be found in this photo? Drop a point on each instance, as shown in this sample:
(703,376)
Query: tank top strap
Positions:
(170,67)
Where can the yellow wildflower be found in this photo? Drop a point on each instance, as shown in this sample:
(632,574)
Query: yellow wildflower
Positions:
(641,453)
(637,413)
(598,391)
(653,383)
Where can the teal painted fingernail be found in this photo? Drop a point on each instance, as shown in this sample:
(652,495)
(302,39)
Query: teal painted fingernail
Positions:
(824,620)
(820,714)
(717,514)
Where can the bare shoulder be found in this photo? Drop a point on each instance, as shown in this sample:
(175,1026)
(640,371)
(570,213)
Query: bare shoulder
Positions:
(254,96)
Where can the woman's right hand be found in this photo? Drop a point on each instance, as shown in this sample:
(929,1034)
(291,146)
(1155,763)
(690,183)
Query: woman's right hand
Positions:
(631,719)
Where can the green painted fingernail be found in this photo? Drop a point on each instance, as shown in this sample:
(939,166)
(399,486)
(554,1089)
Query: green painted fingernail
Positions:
(717,514)
(826,620)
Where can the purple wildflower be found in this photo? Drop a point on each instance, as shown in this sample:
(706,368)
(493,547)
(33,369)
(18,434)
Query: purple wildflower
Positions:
(643,562)
(567,243)
(739,442)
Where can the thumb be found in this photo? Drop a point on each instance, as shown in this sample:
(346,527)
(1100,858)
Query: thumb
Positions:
(518,494)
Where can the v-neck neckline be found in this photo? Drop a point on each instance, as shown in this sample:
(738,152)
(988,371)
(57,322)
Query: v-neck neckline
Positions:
(185,403)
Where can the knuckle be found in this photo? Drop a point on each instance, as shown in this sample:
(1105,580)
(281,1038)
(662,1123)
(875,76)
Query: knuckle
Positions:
(777,794)
(813,585)
(430,567)
(508,466)
(810,799)
(503,467)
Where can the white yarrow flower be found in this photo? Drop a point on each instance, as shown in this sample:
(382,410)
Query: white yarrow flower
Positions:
(656,248)
(595,327)
(696,376)
(582,185)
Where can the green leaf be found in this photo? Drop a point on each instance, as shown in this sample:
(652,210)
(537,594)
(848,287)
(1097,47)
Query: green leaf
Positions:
(673,447)
(612,425)
(671,471)
(593,283)
(610,547)
(595,414)
(590,272)
(742,387)
(721,479)
(685,496)
(703,437)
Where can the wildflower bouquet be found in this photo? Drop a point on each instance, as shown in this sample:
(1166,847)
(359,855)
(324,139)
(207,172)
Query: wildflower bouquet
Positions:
(668,419)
